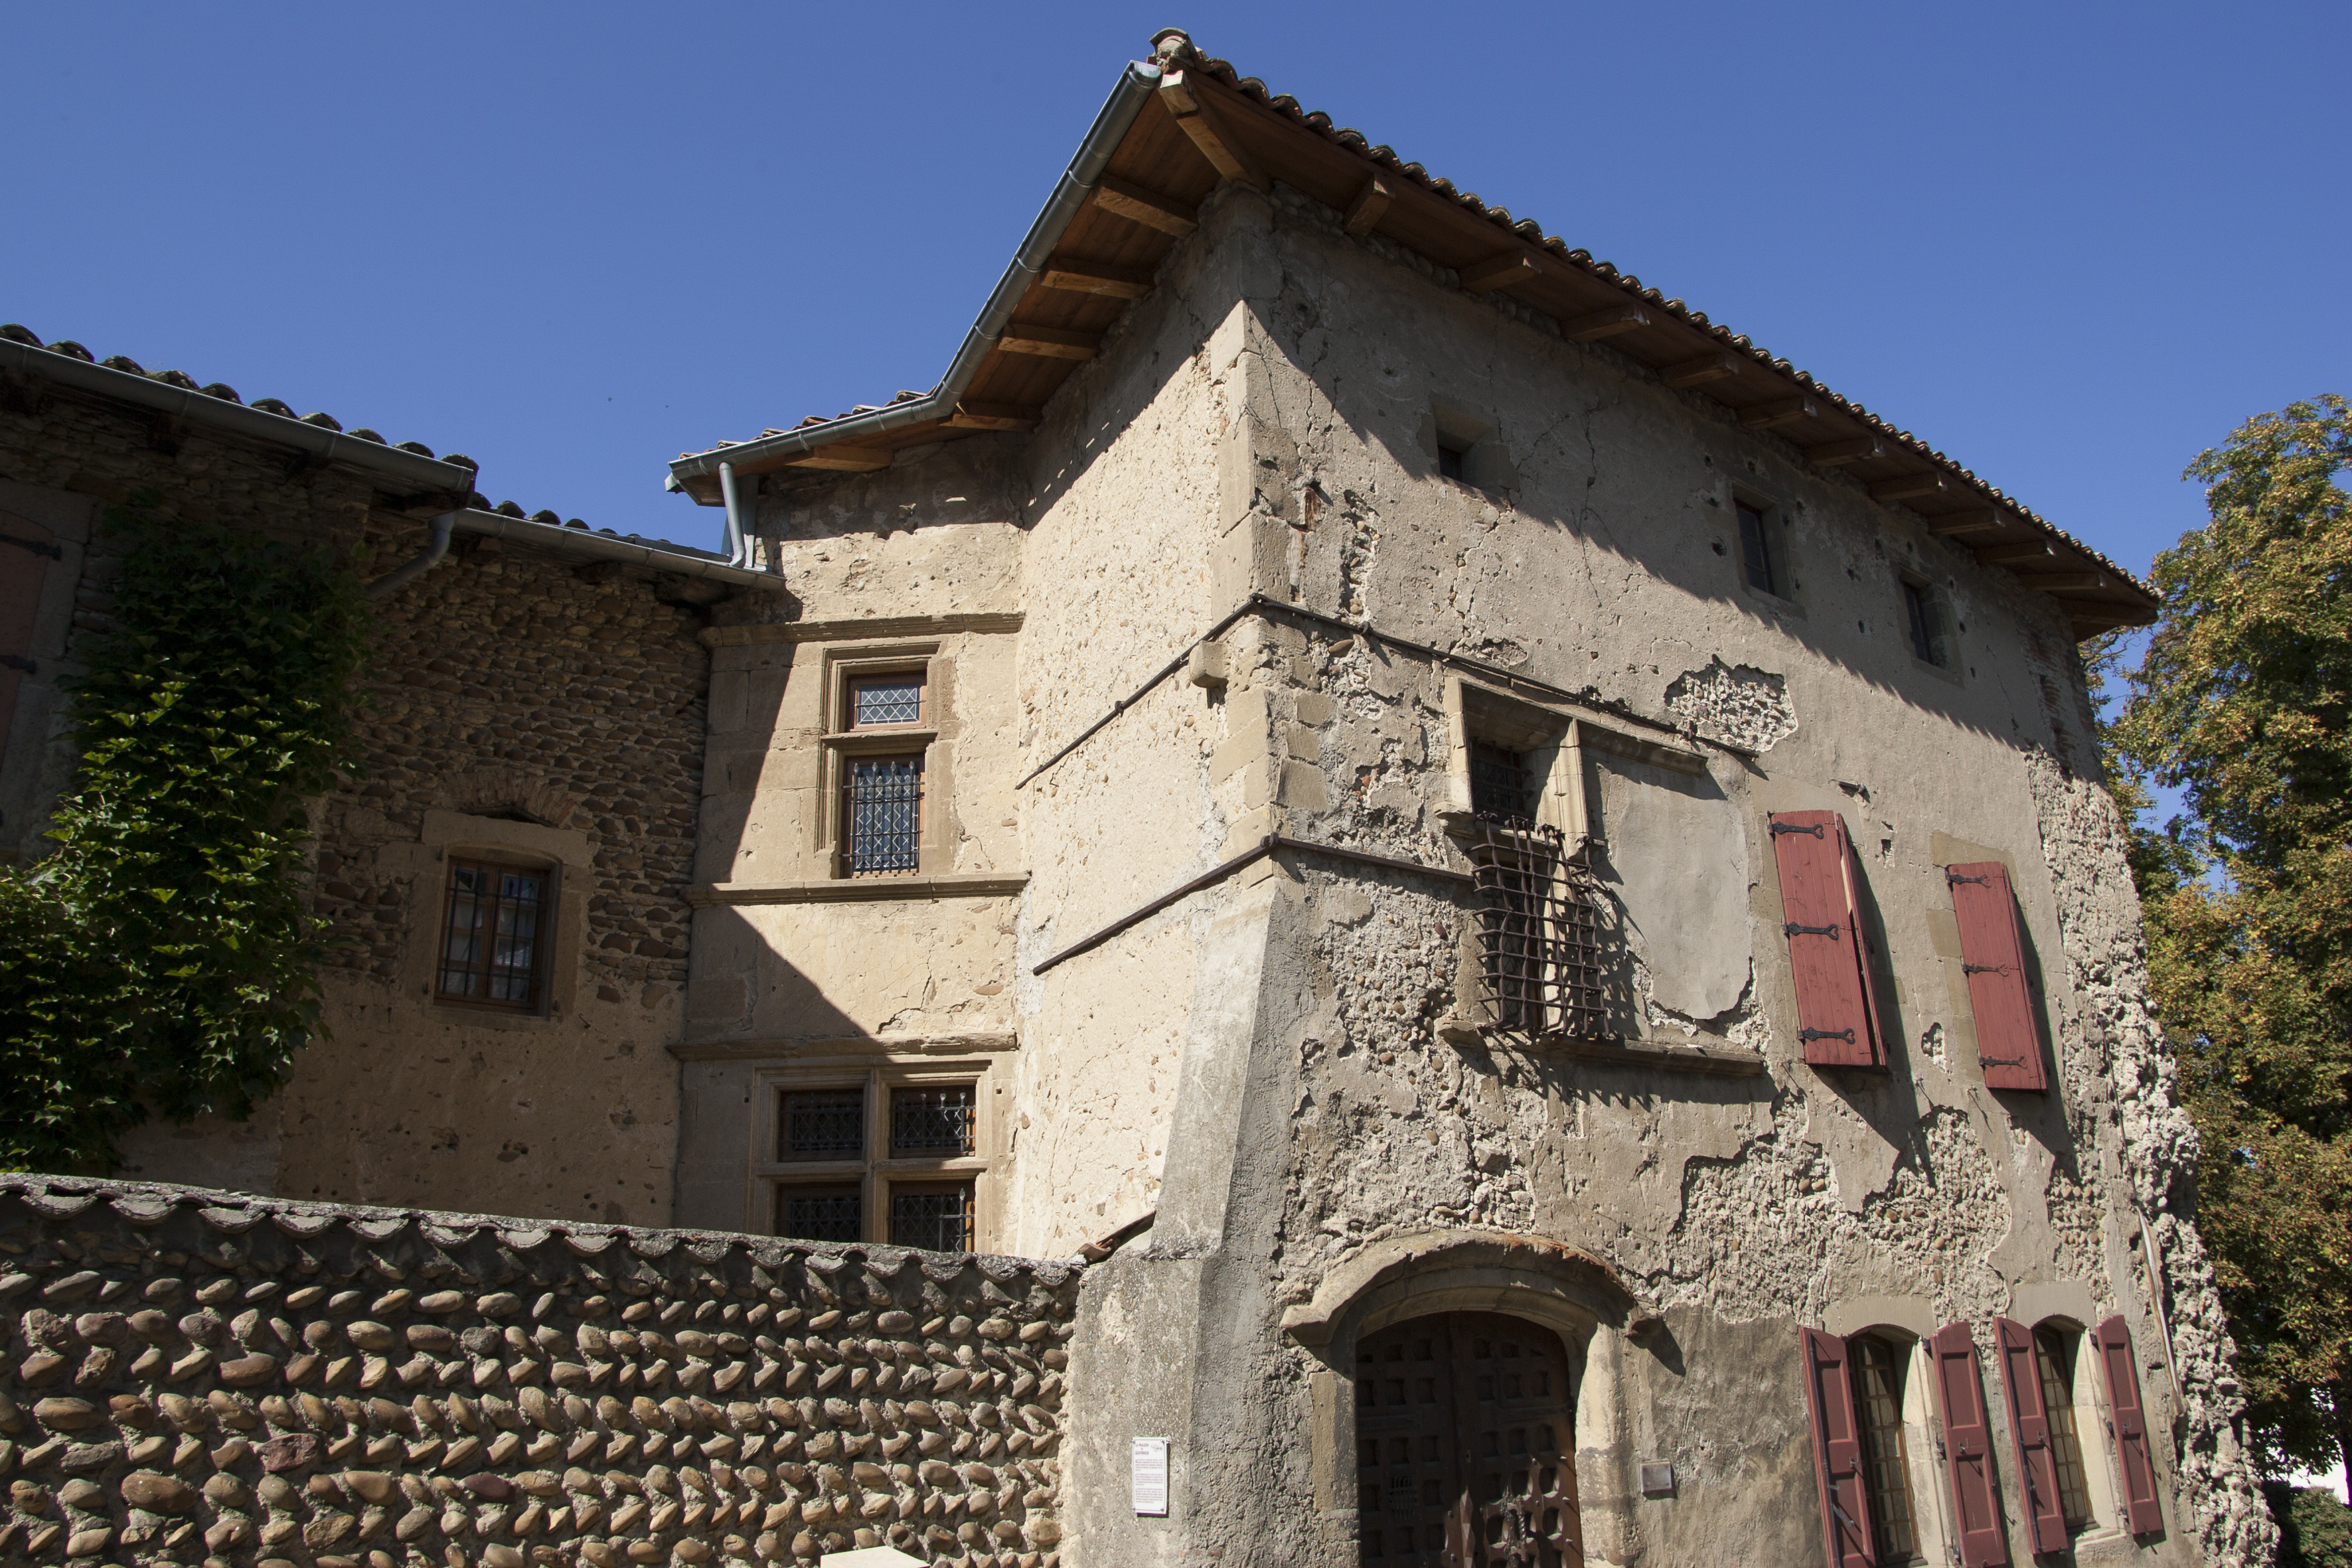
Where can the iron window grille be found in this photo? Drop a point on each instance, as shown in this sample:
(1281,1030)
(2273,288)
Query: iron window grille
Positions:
(822,1124)
(936,1216)
(831,1213)
(937,1124)
(491,950)
(1540,948)
(882,811)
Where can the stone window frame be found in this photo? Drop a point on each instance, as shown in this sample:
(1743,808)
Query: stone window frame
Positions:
(1943,629)
(1551,739)
(1787,595)
(445,836)
(839,739)
(878,1074)
(1484,463)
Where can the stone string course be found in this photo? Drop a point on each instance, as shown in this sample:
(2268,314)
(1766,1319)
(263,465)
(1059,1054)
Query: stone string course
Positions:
(199,1377)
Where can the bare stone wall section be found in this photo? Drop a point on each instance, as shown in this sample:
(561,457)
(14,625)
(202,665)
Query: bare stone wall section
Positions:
(199,1376)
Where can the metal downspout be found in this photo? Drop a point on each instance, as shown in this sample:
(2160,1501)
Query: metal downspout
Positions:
(407,572)
(734,514)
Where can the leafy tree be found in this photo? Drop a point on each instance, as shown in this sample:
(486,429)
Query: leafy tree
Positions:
(161,959)
(2314,1529)
(2243,702)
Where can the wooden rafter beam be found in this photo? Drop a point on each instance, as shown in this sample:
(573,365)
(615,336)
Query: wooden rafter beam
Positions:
(1048,342)
(841,459)
(1150,208)
(2072,582)
(1605,323)
(994,416)
(1910,486)
(1721,365)
(1837,454)
(1077,276)
(1209,132)
(1364,212)
(1505,271)
(1982,520)
(2020,555)
(1778,412)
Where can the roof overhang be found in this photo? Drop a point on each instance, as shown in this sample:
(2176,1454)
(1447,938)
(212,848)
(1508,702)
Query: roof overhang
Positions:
(406,476)
(1173,131)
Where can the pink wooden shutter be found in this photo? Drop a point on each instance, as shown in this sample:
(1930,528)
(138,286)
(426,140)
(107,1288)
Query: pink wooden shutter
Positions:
(1992,950)
(1836,1021)
(2130,1416)
(1837,1451)
(2029,1420)
(1968,1448)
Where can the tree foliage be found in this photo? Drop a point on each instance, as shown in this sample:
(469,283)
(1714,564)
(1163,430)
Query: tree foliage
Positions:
(161,959)
(2243,703)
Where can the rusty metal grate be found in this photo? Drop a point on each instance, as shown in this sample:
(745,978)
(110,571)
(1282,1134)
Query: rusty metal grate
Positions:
(1540,941)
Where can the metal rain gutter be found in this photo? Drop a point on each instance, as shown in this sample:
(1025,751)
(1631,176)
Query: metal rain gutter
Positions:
(1135,87)
(678,559)
(412,471)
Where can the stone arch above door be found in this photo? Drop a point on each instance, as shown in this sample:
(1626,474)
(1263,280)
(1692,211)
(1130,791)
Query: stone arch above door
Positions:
(1548,1282)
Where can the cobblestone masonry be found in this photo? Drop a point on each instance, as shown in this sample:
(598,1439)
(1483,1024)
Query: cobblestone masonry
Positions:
(197,1377)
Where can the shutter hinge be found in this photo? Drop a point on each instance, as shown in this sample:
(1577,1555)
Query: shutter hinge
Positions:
(1984,968)
(1793,928)
(1956,876)
(1809,1035)
(2001,1061)
(54,551)
(1780,828)
(17,662)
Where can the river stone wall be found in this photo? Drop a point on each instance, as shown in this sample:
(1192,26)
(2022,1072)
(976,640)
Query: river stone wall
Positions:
(195,1376)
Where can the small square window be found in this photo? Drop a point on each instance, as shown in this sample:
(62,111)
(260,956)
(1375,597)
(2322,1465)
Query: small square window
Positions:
(1449,458)
(933,1215)
(1919,619)
(935,1123)
(832,1213)
(822,1124)
(1756,550)
(882,702)
(492,949)
(882,811)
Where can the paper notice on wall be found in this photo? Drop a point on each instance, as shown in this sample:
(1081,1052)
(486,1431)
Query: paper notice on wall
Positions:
(1148,1476)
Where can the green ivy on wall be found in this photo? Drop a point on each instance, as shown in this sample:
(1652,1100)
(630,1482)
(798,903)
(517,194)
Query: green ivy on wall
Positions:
(161,960)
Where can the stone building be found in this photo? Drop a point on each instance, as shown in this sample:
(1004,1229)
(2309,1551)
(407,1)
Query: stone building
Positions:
(1535,880)
(1526,886)
(535,713)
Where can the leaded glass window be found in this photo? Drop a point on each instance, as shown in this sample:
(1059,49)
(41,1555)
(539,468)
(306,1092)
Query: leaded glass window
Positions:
(490,949)
(884,699)
(884,831)
(822,1124)
(1498,781)
(831,1213)
(933,1215)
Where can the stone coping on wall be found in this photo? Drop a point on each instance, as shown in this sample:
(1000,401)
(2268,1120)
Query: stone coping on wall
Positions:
(1733,1060)
(194,1376)
(843,629)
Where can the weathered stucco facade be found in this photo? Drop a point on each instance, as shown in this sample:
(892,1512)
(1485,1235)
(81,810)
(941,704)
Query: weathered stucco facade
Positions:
(1195,667)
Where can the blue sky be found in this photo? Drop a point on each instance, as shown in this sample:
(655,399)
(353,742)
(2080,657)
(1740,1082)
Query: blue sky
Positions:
(2070,245)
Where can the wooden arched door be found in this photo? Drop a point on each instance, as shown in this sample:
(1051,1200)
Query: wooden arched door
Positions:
(1464,1444)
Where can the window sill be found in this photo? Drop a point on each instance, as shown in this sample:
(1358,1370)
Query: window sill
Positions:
(1642,1053)
(881,738)
(862,890)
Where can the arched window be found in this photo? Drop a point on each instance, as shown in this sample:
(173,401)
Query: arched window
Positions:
(1880,1380)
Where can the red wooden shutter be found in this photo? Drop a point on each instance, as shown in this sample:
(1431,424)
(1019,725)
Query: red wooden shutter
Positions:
(2130,1418)
(2029,1420)
(1968,1448)
(1992,950)
(1837,1451)
(1836,1018)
